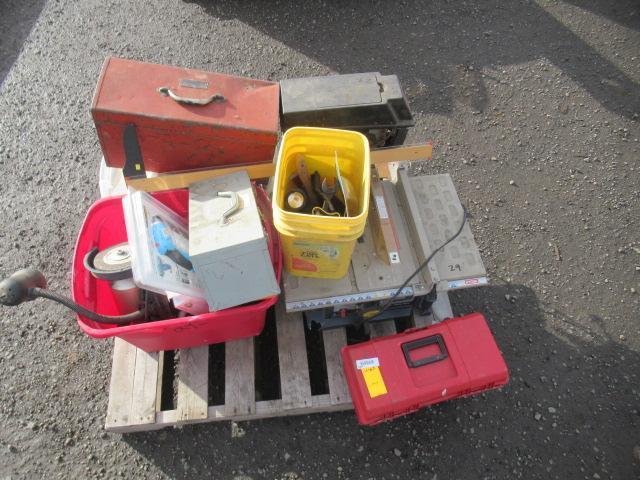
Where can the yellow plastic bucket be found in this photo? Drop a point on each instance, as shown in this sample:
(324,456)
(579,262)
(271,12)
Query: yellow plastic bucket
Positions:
(321,246)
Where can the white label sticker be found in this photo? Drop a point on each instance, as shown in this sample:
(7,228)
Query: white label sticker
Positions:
(367,363)
(468,282)
(382,207)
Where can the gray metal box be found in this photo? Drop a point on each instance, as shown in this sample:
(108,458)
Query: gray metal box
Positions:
(227,243)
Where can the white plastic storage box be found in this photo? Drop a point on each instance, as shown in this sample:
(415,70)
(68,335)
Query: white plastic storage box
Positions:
(159,241)
(227,243)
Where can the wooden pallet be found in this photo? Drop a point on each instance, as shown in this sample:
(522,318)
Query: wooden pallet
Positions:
(138,378)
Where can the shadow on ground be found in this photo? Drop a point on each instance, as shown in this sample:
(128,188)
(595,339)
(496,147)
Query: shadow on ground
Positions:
(354,37)
(538,426)
(624,12)
(16,21)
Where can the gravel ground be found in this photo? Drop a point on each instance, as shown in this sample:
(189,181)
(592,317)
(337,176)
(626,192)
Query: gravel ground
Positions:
(533,107)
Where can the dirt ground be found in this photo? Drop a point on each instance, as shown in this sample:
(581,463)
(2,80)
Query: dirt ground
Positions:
(533,108)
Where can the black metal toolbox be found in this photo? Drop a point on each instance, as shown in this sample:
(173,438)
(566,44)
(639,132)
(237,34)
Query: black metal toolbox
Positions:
(370,103)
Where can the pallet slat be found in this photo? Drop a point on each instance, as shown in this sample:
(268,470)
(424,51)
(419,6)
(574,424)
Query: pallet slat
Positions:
(442,308)
(292,355)
(264,409)
(145,382)
(240,389)
(334,340)
(193,384)
(121,386)
(383,328)
(420,321)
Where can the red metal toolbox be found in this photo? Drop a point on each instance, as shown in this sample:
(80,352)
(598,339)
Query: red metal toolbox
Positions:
(392,376)
(184,119)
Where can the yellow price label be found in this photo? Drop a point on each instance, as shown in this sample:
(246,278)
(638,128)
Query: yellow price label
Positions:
(375,382)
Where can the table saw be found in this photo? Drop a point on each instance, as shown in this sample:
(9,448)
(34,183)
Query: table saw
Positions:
(424,212)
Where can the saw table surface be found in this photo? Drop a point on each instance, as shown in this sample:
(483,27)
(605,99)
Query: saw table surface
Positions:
(436,214)
(433,201)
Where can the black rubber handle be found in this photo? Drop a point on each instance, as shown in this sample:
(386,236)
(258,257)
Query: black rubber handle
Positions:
(133,162)
(423,342)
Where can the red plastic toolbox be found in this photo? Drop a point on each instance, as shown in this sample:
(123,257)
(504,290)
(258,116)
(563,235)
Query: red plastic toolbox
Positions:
(239,126)
(392,376)
(103,227)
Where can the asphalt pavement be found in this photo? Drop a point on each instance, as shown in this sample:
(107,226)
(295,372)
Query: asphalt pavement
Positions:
(533,109)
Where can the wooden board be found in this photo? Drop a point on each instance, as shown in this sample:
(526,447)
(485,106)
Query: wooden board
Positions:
(121,386)
(385,236)
(171,181)
(193,383)
(145,381)
(383,328)
(379,157)
(385,158)
(239,393)
(440,310)
(334,340)
(136,386)
(292,356)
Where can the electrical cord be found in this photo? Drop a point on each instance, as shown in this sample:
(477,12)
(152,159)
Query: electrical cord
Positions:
(376,313)
(36,292)
(29,284)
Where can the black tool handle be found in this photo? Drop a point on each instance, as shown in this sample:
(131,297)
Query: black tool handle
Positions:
(423,342)
(216,97)
(133,163)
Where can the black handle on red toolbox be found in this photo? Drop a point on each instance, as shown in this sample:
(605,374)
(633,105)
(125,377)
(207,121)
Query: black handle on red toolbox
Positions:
(216,97)
(423,342)
(133,163)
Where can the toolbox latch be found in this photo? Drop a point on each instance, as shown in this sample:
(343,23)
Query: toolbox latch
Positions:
(423,342)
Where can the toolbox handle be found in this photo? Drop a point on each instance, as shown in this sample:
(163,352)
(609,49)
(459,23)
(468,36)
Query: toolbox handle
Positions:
(236,206)
(216,97)
(423,342)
